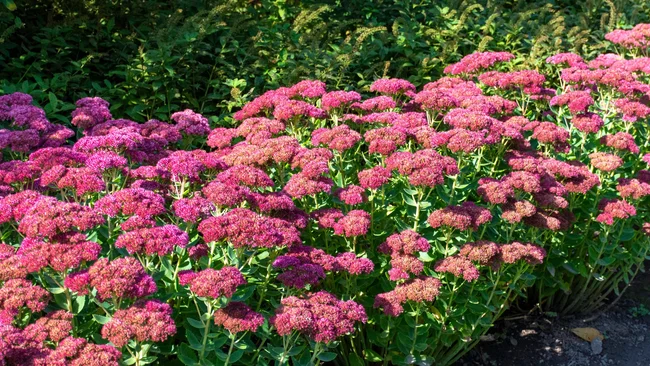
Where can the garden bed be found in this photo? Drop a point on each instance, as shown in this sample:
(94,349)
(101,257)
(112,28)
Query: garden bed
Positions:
(390,225)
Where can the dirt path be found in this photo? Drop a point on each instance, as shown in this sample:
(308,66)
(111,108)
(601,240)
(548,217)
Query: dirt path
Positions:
(549,341)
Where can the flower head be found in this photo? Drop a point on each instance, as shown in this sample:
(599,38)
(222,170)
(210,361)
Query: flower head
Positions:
(238,317)
(17,293)
(121,278)
(146,320)
(160,240)
(213,283)
(463,217)
(459,266)
(611,209)
(191,123)
(320,316)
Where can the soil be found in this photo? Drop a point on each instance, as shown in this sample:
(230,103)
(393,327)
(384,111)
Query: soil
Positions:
(544,340)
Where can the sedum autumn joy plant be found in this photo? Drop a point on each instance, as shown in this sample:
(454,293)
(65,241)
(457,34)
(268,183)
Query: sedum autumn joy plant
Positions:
(393,225)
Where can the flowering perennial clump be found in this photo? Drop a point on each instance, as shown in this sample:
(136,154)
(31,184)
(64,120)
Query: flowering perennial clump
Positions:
(393,224)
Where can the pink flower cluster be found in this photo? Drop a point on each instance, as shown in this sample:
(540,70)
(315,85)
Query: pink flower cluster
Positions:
(191,123)
(213,283)
(392,86)
(245,228)
(467,216)
(614,209)
(131,202)
(159,240)
(419,289)
(339,138)
(48,217)
(238,317)
(146,320)
(120,278)
(320,316)
(304,265)
(402,248)
(68,252)
(18,293)
(637,37)
(477,61)
(424,168)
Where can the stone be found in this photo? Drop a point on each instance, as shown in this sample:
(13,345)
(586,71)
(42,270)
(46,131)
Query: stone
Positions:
(596,346)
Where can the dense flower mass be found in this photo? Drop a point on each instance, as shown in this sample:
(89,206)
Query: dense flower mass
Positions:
(48,217)
(79,352)
(296,229)
(132,201)
(158,240)
(213,283)
(245,228)
(320,316)
(67,253)
(466,216)
(238,317)
(146,320)
(120,278)
(419,289)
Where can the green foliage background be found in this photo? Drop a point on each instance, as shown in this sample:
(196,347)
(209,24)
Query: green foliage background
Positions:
(150,58)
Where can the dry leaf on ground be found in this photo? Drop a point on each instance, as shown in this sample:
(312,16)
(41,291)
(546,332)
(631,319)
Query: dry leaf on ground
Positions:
(588,334)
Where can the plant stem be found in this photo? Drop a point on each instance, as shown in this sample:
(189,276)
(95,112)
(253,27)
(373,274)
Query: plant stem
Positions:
(266,284)
(206,331)
(417,209)
(316,353)
(415,328)
(284,350)
(232,344)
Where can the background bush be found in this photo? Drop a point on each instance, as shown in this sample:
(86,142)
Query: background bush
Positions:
(151,58)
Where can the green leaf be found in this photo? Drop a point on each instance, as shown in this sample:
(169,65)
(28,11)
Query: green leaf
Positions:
(110,25)
(10,4)
(327,356)
(628,233)
(371,355)
(551,269)
(295,350)
(193,339)
(78,304)
(243,294)
(147,360)
(53,101)
(599,277)
(101,319)
(235,356)
(606,261)
(424,257)
(355,360)
(195,323)
(186,355)
(56,290)
(570,268)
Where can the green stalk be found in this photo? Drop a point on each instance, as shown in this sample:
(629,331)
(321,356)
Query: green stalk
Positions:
(316,353)
(266,284)
(417,209)
(232,345)
(206,330)
(415,328)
